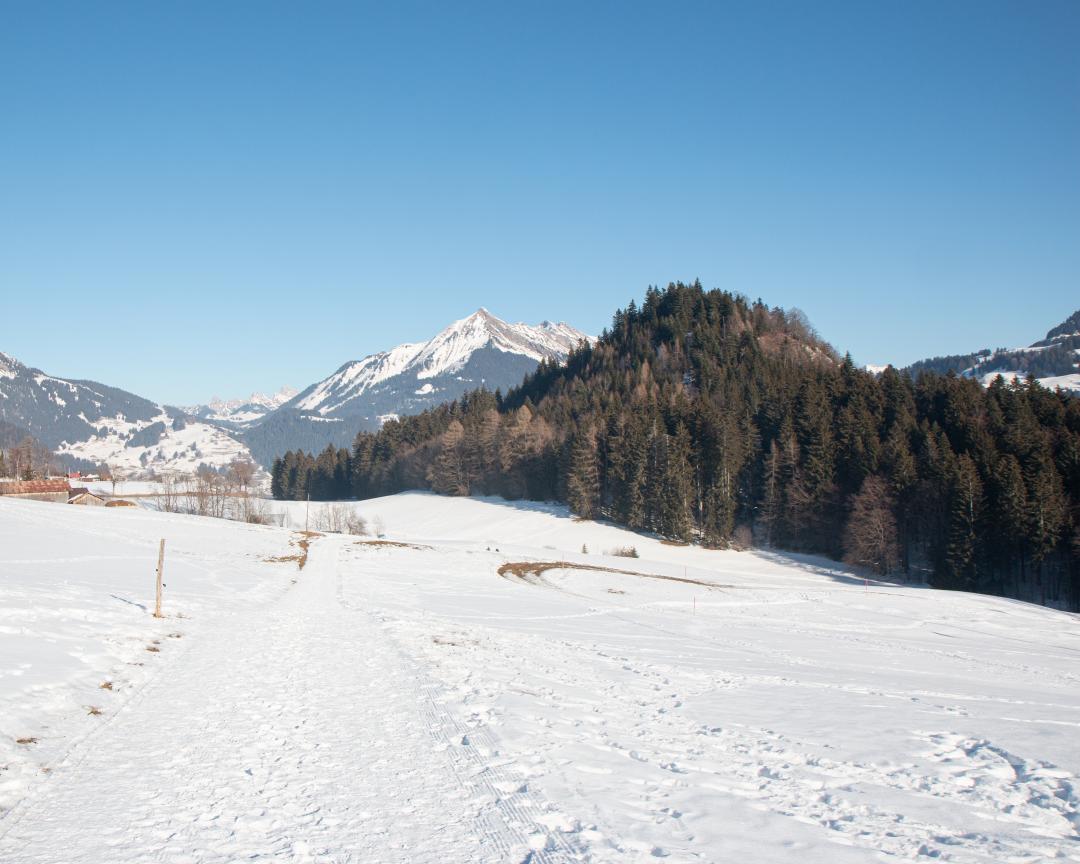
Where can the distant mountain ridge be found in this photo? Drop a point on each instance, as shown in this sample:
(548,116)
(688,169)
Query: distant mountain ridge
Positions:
(86,422)
(479,350)
(425,363)
(1053,361)
(241,412)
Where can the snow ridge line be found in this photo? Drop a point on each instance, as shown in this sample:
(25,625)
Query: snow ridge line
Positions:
(512,824)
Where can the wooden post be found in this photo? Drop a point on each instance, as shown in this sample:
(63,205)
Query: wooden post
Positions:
(160,572)
(307,509)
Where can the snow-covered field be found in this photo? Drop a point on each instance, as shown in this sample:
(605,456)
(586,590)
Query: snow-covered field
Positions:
(419,699)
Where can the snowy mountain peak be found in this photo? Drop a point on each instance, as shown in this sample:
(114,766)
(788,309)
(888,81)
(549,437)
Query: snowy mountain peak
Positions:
(9,366)
(444,355)
(259,399)
(242,411)
(453,347)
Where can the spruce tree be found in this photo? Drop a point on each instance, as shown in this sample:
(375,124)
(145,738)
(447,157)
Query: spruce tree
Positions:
(965,514)
(583,482)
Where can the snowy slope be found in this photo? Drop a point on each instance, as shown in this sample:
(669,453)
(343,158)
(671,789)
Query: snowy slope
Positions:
(420,700)
(164,444)
(1054,361)
(101,424)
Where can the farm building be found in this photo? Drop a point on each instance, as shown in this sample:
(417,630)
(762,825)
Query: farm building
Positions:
(85,497)
(37,490)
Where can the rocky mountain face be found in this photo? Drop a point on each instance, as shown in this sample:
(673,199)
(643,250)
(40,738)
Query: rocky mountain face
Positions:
(241,412)
(480,350)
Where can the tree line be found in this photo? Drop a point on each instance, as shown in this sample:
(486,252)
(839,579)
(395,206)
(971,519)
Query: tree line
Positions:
(704,417)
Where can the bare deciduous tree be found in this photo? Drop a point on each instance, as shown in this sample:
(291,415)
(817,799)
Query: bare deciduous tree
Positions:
(242,472)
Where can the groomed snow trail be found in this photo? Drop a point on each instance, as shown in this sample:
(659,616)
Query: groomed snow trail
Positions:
(295,732)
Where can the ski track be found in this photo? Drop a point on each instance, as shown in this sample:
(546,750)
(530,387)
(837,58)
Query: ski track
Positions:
(298,732)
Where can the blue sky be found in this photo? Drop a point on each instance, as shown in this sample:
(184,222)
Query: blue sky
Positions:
(223,197)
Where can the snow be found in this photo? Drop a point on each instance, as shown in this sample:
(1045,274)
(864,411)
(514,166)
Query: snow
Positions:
(1065,382)
(178,451)
(444,354)
(9,366)
(451,349)
(242,411)
(354,379)
(410,703)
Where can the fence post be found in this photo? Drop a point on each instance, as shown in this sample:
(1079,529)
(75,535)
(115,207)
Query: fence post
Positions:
(160,572)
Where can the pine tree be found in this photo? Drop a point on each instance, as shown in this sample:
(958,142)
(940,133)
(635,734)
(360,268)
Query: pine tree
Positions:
(630,493)
(448,474)
(965,514)
(582,482)
(674,515)
(277,478)
(1046,515)
(870,535)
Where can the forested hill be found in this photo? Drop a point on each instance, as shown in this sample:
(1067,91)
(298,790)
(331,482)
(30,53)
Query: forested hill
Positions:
(702,416)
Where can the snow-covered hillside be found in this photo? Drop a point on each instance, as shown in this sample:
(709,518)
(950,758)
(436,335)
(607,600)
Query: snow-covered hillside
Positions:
(161,446)
(1053,361)
(101,424)
(475,686)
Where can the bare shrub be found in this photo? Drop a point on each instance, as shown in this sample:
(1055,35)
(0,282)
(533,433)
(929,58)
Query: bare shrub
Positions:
(169,494)
(252,509)
(624,552)
(339,518)
(355,523)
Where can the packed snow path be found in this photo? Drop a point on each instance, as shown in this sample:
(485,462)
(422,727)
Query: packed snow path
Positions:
(296,732)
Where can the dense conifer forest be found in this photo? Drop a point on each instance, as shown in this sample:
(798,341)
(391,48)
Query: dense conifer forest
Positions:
(703,417)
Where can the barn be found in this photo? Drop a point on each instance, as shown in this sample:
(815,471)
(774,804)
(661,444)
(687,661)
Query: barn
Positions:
(56,490)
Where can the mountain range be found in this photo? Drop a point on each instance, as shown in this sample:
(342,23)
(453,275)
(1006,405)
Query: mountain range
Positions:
(1053,361)
(87,423)
(480,350)
(242,412)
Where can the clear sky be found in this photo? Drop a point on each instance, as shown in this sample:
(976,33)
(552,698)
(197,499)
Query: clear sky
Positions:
(211,198)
